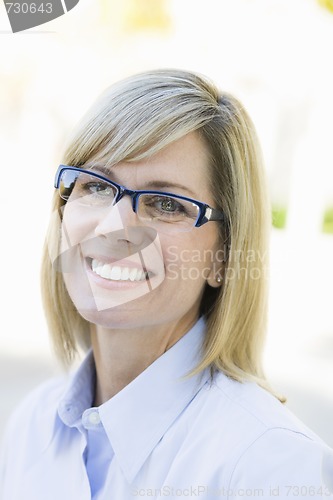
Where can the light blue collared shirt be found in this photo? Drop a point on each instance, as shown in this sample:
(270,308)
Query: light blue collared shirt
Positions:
(163,435)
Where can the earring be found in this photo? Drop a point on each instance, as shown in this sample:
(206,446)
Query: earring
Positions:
(218,279)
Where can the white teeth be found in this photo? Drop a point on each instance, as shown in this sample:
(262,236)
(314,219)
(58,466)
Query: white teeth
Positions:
(133,274)
(117,273)
(125,274)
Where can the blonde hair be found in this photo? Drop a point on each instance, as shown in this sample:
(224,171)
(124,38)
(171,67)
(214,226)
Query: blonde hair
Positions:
(136,118)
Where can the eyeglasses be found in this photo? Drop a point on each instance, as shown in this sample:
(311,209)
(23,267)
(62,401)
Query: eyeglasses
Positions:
(165,211)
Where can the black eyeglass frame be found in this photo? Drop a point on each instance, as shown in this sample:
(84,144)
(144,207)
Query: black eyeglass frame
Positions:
(206,213)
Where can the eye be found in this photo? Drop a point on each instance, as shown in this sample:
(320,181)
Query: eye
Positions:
(165,205)
(170,205)
(97,187)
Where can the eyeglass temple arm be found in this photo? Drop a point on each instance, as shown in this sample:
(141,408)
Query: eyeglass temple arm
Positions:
(212,214)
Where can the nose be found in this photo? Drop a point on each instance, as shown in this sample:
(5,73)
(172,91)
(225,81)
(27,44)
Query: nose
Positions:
(120,222)
(117,217)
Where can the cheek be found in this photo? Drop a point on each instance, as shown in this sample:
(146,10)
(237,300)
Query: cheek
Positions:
(75,228)
(189,258)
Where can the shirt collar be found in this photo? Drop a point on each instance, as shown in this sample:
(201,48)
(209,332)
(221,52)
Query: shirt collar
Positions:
(79,393)
(138,416)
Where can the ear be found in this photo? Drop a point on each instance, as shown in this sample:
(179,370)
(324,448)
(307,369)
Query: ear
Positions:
(217,268)
(215,277)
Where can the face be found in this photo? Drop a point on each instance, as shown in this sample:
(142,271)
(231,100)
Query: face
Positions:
(123,273)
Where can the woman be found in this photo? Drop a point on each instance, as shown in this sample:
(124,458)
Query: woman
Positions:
(156,264)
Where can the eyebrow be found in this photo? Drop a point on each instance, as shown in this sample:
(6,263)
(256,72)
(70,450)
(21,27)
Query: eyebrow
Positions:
(167,184)
(153,184)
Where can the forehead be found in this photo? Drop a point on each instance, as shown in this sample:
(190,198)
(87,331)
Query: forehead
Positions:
(184,162)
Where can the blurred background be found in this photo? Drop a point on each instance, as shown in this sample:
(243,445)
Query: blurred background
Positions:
(276,57)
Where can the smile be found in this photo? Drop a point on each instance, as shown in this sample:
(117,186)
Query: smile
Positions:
(117,273)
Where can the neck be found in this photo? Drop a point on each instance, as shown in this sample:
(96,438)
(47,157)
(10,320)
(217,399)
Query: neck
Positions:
(122,354)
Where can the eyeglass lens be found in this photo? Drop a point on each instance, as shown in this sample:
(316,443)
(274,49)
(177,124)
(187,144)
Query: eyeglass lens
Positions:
(161,209)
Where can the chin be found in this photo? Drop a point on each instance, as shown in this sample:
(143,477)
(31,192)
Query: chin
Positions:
(115,318)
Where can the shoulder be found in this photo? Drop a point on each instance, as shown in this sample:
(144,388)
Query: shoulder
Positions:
(267,446)
(44,396)
(254,409)
(28,433)
(34,417)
